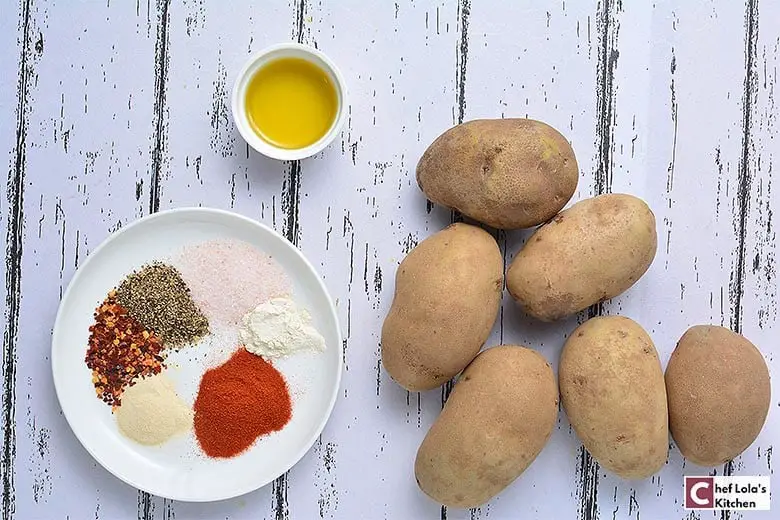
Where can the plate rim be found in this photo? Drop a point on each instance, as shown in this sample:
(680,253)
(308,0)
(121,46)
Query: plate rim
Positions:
(224,213)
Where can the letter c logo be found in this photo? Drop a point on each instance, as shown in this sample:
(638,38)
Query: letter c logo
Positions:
(699,500)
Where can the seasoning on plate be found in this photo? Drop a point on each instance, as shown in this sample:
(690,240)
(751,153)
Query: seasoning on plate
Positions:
(228,278)
(157,296)
(152,412)
(120,350)
(239,401)
(279,328)
(291,103)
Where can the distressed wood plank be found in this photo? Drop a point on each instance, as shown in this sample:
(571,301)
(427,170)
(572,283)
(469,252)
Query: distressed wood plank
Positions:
(672,151)
(87,150)
(393,116)
(754,283)
(692,150)
(559,87)
(13,227)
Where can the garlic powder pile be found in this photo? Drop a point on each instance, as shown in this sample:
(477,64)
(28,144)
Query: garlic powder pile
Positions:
(152,412)
(279,328)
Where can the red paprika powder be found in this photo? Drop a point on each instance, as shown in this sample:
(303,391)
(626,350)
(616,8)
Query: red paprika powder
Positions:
(238,402)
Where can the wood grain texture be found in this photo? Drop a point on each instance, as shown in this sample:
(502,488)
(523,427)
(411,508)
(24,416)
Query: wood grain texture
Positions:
(13,255)
(116,109)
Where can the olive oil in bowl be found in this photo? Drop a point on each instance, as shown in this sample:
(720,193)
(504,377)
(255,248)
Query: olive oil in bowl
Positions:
(291,103)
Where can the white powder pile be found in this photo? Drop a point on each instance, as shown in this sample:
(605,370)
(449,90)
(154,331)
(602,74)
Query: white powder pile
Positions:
(152,412)
(279,328)
(228,278)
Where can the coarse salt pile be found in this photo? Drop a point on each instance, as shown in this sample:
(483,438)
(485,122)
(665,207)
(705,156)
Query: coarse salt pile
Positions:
(228,278)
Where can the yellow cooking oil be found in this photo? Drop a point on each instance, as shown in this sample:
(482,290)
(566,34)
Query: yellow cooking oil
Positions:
(291,102)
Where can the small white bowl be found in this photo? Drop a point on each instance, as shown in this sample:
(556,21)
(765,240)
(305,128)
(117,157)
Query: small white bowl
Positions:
(238,102)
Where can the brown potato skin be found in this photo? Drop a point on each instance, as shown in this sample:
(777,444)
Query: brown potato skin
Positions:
(593,251)
(612,389)
(506,173)
(718,388)
(496,421)
(447,296)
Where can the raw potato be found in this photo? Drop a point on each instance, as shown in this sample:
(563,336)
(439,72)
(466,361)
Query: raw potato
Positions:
(447,296)
(612,389)
(589,253)
(718,388)
(507,173)
(496,421)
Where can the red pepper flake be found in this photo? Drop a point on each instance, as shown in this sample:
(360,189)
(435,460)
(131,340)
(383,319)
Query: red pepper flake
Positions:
(120,350)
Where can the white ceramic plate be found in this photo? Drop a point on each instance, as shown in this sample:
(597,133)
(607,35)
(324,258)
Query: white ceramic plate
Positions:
(177,469)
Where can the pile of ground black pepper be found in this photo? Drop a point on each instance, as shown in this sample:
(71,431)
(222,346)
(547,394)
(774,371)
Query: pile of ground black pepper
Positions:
(157,296)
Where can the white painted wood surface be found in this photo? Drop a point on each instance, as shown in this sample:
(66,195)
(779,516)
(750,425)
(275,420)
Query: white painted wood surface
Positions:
(112,109)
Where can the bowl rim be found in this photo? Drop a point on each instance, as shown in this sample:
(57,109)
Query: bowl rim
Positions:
(238,105)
